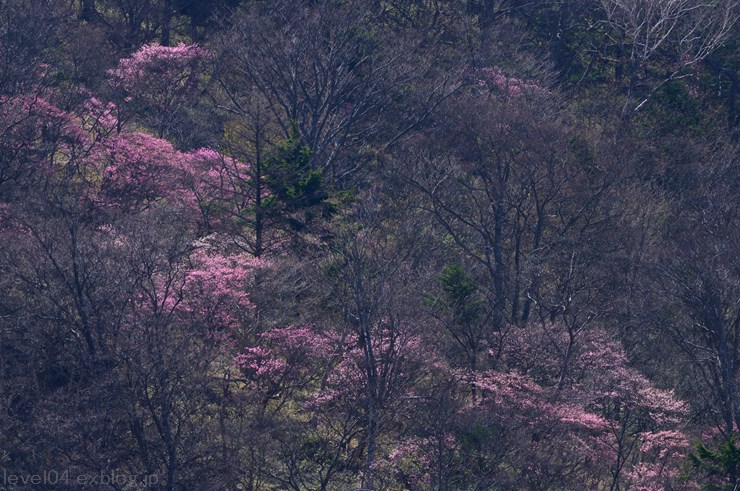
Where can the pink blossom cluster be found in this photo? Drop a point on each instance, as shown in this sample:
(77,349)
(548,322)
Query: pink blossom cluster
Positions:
(101,117)
(122,170)
(579,385)
(151,60)
(216,288)
(28,120)
(260,362)
(220,186)
(138,170)
(155,81)
(284,359)
(494,79)
(410,462)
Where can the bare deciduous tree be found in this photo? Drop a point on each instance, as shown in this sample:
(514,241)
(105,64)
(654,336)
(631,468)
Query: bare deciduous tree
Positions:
(685,30)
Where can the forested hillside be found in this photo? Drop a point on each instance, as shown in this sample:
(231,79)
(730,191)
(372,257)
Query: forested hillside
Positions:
(369,244)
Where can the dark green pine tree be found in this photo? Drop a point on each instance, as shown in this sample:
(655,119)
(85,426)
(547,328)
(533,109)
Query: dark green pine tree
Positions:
(720,466)
(297,189)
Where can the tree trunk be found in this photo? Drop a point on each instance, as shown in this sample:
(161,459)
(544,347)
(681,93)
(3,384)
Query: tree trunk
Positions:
(166,21)
(87,10)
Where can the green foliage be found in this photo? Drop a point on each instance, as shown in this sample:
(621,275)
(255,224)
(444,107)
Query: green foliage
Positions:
(721,465)
(290,177)
(676,111)
(461,294)
(457,285)
(295,186)
(475,435)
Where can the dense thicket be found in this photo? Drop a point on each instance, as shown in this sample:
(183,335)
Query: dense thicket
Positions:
(388,245)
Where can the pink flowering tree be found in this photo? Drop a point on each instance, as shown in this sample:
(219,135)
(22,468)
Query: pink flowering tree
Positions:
(155,82)
(189,305)
(352,375)
(526,425)
(627,425)
(519,423)
(99,118)
(211,189)
(283,362)
(380,323)
(138,169)
(201,287)
(285,371)
(661,454)
(232,200)
(644,421)
(301,373)
(38,139)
